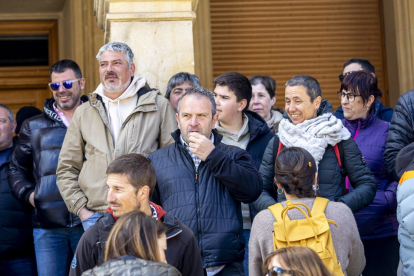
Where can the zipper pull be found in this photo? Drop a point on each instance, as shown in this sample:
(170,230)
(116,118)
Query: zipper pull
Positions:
(196,175)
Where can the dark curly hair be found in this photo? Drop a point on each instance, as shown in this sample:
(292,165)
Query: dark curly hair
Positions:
(295,171)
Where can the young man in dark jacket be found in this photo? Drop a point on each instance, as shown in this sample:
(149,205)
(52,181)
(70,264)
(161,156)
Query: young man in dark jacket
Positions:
(203,181)
(242,128)
(16,240)
(131,182)
(32,175)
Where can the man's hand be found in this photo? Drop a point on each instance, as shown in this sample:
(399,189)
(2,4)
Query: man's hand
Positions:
(31,199)
(200,145)
(84,213)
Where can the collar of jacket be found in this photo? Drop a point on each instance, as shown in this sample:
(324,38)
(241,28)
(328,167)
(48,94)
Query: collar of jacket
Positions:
(49,111)
(257,125)
(325,107)
(352,125)
(176,136)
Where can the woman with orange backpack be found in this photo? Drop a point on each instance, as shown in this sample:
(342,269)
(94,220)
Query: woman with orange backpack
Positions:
(306,220)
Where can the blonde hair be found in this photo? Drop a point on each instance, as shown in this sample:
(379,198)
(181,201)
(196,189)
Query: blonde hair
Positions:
(135,234)
(302,261)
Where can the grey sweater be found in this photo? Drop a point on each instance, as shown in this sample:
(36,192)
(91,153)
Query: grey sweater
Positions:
(348,246)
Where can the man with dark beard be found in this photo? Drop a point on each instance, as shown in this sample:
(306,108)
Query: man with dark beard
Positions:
(122,116)
(32,174)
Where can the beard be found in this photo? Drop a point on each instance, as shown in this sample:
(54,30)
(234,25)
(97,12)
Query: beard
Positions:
(111,88)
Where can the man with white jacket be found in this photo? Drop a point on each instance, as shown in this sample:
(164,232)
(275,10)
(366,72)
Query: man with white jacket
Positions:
(123,116)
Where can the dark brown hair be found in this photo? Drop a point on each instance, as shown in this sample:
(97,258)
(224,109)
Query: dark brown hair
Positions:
(137,169)
(301,260)
(238,83)
(362,83)
(135,234)
(295,171)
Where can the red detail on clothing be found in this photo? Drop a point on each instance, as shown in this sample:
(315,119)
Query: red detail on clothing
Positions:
(160,211)
(109,210)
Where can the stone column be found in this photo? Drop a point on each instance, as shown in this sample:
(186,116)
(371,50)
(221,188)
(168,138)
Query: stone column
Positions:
(159,32)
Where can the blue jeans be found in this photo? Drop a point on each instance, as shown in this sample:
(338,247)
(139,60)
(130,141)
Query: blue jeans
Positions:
(246,233)
(87,223)
(20,266)
(55,248)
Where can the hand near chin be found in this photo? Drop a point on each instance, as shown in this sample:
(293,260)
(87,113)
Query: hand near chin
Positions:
(200,145)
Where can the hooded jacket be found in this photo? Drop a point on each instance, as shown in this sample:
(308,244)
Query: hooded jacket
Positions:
(207,200)
(401,132)
(132,266)
(377,220)
(182,250)
(331,177)
(16,232)
(33,168)
(89,146)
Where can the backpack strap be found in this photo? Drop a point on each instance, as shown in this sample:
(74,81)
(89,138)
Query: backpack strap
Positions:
(319,206)
(276,143)
(279,148)
(277,210)
(338,155)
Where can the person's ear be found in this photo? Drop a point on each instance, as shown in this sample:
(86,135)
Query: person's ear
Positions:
(82,83)
(132,70)
(242,105)
(143,192)
(14,125)
(317,102)
(178,122)
(273,101)
(370,101)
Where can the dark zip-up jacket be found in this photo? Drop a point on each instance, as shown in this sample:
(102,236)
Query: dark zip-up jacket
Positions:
(16,233)
(33,168)
(182,250)
(331,177)
(401,132)
(208,200)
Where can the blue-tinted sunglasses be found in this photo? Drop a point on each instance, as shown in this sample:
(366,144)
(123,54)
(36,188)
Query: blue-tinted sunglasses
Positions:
(66,84)
(277,271)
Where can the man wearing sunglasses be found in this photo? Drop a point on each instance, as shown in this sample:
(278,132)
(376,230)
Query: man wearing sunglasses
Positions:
(32,175)
(381,111)
(123,116)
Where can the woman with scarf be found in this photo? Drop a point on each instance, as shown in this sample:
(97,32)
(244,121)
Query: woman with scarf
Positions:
(377,223)
(309,123)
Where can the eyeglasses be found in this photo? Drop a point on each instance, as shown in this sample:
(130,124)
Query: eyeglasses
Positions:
(66,84)
(349,96)
(277,271)
(343,75)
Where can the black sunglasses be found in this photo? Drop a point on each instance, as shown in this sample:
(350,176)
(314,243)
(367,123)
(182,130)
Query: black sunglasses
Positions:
(66,84)
(277,271)
(343,75)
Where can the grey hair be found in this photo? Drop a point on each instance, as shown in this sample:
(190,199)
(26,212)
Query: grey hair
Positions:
(9,112)
(119,47)
(199,92)
(179,79)
(313,89)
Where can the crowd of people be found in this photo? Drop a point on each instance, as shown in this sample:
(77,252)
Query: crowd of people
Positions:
(126,181)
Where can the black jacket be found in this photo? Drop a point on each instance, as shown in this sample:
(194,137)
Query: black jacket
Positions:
(331,178)
(16,233)
(132,266)
(401,132)
(33,168)
(208,200)
(182,250)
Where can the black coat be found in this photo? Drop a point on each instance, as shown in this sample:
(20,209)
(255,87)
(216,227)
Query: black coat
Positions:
(16,232)
(208,200)
(182,250)
(331,178)
(33,168)
(401,132)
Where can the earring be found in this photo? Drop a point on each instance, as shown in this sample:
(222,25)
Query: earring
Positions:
(315,187)
(280,191)
(367,108)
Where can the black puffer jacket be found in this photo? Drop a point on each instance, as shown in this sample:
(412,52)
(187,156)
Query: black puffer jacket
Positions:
(33,168)
(401,132)
(331,176)
(132,266)
(16,233)
(208,200)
